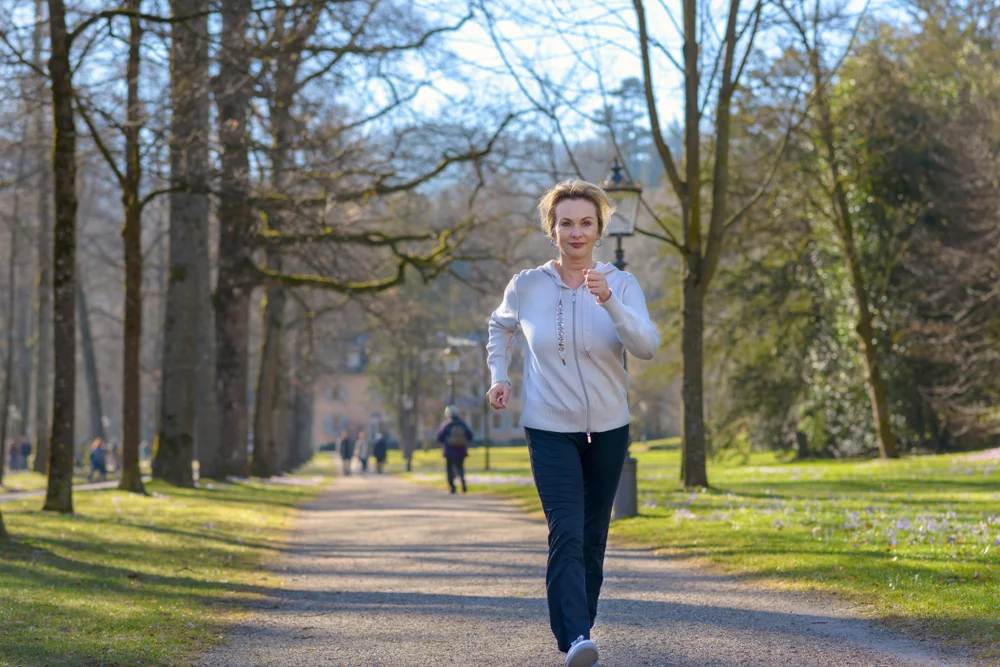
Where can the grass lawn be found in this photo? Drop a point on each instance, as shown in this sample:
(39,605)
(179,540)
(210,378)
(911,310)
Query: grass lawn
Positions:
(24,480)
(915,542)
(36,481)
(131,580)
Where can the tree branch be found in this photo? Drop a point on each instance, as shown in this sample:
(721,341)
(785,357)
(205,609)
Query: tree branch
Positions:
(270,238)
(95,135)
(680,188)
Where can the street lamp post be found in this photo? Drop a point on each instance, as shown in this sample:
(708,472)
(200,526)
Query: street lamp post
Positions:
(406,444)
(452,363)
(625,194)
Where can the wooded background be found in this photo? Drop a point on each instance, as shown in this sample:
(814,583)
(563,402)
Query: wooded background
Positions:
(204,200)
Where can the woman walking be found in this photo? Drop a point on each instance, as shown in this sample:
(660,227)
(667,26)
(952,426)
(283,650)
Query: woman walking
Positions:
(361,445)
(578,317)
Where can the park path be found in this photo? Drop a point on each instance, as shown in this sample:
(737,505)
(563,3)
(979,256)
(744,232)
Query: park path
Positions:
(384,572)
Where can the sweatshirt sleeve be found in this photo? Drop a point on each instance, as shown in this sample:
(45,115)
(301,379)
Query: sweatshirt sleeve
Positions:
(631,319)
(503,328)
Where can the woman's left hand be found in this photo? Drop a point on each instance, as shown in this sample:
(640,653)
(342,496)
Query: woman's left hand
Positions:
(597,284)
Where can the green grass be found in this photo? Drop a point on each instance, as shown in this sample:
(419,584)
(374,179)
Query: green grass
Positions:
(23,480)
(131,580)
(34,481)
(915,542)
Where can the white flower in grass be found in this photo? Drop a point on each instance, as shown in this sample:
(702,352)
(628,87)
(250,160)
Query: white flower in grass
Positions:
(683,513)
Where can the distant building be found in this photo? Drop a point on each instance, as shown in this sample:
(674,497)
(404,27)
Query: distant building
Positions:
(345,399)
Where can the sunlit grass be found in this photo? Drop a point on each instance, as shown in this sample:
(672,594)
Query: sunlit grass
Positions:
(914,541)
(26,480)
(131,580)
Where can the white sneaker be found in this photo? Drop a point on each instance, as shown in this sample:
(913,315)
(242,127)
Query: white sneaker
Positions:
(582,653)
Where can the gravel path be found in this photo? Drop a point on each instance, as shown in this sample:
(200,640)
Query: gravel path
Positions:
(383,572)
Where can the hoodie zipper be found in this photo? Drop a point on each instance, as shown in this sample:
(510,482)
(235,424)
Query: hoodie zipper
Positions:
(579,370)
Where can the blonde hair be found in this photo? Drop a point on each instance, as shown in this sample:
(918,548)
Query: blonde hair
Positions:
(575,189)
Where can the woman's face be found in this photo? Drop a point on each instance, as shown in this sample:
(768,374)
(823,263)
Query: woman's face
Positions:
(576,228)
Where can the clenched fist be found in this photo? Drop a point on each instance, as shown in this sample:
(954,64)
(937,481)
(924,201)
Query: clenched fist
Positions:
(597,284)
(498,395)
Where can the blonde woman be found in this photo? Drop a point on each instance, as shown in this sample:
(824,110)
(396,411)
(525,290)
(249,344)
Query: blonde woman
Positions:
(579,317)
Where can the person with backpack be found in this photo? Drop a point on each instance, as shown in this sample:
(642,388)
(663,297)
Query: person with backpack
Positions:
(98,461)
(455,438)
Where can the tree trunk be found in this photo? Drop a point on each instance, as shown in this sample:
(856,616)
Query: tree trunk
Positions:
(90,365)
(269,450)
(198,118)
(232,314)
(26,357)
(173,459)
(695,473)
(693,427)
(845,229)
(8,366)
(302,384)
(236,235)
(3,529)
(267,453)
(155,387)
(207,412)
(59,495)
(43,344)
(131,477)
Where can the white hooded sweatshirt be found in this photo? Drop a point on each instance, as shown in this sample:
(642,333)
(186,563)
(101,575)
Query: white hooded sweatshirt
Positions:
(574,373)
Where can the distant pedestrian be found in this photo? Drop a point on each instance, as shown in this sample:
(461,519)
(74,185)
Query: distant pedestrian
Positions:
(380,448)
(13,454)
(361,447)
(579,318)
(25,453)
(346,447)
(455,438)
(98,460)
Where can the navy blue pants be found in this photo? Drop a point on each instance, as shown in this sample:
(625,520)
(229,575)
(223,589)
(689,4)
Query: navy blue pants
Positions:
(576,483)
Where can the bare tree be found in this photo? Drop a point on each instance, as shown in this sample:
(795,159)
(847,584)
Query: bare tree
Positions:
(705,218)
(43,177)
(90,370)
(131,478)
(8,367)
(185,327)
(59,495)
(236,231)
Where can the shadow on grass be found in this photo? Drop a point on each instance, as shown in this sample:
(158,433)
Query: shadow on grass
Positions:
(857,490)
(107,613)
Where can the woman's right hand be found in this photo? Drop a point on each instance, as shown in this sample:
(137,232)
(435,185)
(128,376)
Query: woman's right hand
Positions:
(498,395)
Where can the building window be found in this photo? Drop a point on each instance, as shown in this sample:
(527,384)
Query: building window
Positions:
(354,360)
(477,422)
(515,418)
(328,393)
(329,426)
(497,419)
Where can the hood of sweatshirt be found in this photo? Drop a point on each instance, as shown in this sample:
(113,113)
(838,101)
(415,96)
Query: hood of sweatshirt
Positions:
(587,305)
